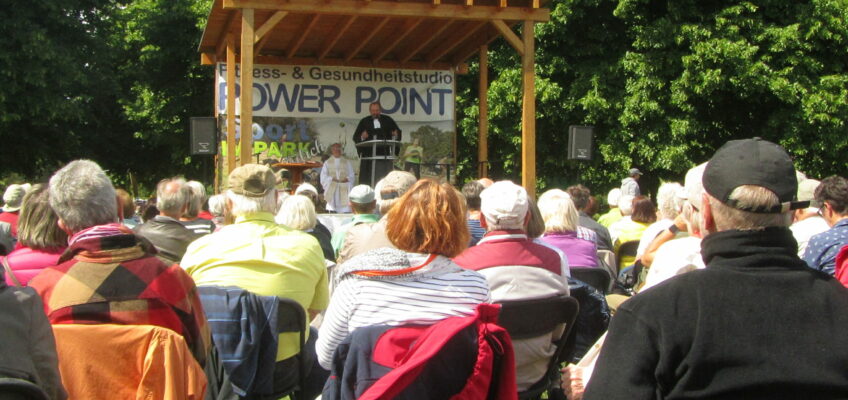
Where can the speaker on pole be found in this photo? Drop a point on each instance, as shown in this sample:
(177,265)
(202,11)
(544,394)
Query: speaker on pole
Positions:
(580,142)
(204,136)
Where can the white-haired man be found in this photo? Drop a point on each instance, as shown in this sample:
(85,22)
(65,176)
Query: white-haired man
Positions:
(194,205)
(337,179)
(614,214)
(165,231)
(756,323)
(108,275)
(260,256)
(516,268)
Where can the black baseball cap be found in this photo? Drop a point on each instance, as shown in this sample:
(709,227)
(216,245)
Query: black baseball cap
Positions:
(753,162)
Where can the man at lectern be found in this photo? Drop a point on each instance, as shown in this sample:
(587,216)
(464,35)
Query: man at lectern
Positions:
(375,127)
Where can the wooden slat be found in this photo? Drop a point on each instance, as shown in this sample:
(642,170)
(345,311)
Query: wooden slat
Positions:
(335,38)
(364,63)
(528,113)
(410,26)
(396,9)
(472,46)
(304,33)
(422,44)
(246,83)
(483,130)
(270,24)
(231,101)
(366,39)
(509,35)
(222,38)
(448,45)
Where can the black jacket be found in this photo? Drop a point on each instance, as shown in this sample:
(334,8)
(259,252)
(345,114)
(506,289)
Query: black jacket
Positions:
(757,323)
(169,237)
(387,125)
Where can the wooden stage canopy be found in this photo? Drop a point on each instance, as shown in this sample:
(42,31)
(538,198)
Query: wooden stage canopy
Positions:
(402,34)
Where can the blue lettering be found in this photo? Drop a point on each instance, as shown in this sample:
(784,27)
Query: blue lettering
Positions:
(282,92)
(442,93)
(398,100)
(259,101)
(414,97)
(304,98)
(364,96)
(274,132)
(331,97)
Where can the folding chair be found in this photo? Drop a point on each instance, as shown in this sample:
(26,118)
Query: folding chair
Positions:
(525,319)
(626,249)
(598,278)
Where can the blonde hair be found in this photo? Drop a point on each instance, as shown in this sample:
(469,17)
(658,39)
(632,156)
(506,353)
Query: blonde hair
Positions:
(37,225)
(429,218)
(297,212)
(558,211)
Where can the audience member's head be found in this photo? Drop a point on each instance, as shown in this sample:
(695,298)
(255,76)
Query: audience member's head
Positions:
(669,203)
(429,218)
(172,197)
(251,189)
(807,192)
(389,189)
(471,191)
(83,196)
(13,197)
(643,210)
(591,206)
(362,200)
(580,195)
(37,227)
(127,203)
(691,196)
(297,212)
(217,205)
(613,197)
(306,189)
(504,206)
(535,222)
(625,205)
(832,195)
(196,198)
(486,182)
(558,211)
(749,185)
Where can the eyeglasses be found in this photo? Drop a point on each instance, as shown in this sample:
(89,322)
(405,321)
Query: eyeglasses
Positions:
(820,212)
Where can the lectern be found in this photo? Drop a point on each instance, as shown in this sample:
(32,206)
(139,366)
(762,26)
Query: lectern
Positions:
(377,159)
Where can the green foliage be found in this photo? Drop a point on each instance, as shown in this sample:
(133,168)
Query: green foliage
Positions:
(667,83)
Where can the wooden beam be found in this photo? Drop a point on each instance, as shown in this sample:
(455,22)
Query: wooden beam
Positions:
(335,38)
(208,59)
(304,33)
(364,63)
(448,45)
(410,26)
(370,35)
(222,39)
(483,130)
(270,24)
(528,112)
(246,95)
(471,49)
(231,101)
(415,49)
(509,35)
(396,9)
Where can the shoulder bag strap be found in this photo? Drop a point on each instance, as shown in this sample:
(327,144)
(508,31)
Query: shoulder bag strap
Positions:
(10,273)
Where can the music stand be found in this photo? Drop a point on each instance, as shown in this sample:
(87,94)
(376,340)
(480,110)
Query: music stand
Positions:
(377,154)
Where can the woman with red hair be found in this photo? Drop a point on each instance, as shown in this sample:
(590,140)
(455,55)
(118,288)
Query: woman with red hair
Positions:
(416,282)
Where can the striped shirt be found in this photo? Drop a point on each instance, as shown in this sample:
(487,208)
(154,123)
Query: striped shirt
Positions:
(437,291)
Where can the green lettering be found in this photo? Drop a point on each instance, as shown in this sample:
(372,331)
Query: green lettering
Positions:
(259,147)
(274,151)
(289,149)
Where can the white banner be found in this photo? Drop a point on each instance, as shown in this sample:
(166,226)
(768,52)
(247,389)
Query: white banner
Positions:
(304,91)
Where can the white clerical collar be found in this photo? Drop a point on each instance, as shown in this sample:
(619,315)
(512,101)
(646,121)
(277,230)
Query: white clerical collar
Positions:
(376,123)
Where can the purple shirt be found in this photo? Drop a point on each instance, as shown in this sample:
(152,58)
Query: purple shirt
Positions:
(580,252)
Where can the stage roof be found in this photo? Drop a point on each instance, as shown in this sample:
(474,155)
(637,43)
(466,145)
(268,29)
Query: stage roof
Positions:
(408,34)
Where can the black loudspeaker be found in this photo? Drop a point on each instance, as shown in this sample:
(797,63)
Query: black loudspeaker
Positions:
(580,142)
(204,136)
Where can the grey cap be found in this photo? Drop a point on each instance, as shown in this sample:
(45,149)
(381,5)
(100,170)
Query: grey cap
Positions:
(252,180)
(361,194)
(634,172)
(13,197)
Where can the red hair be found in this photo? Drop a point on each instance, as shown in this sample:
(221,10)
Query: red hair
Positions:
(429,218)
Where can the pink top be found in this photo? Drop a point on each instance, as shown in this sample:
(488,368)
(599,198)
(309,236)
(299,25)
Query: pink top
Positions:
(26,263)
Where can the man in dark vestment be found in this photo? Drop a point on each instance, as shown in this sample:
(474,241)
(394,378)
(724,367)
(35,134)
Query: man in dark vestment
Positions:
(376,127)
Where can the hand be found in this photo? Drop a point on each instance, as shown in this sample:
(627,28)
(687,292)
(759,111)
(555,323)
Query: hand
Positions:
(364,135)
(572,382)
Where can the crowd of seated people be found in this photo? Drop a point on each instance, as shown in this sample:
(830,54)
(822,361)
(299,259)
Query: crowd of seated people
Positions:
(733,264)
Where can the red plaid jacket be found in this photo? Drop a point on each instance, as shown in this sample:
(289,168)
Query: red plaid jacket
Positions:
(117,280)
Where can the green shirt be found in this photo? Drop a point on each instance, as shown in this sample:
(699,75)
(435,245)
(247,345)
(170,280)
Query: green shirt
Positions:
(610,217)
(265,258)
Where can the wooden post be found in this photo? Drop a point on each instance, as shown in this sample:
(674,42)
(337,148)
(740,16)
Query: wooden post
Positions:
(246,81)
(528,114)
(231,102)
(483,142)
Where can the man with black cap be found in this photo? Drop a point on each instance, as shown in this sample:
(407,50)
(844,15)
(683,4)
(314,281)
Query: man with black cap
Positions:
(756,323)
(630,185)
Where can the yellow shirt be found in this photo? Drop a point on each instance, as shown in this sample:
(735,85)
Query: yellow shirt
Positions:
(265,258)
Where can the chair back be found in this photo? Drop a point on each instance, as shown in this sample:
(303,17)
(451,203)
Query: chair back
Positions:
(20,389)
(606,258)
(626,249)
(598,278)
(108,361)
(532,318)
(246,362)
